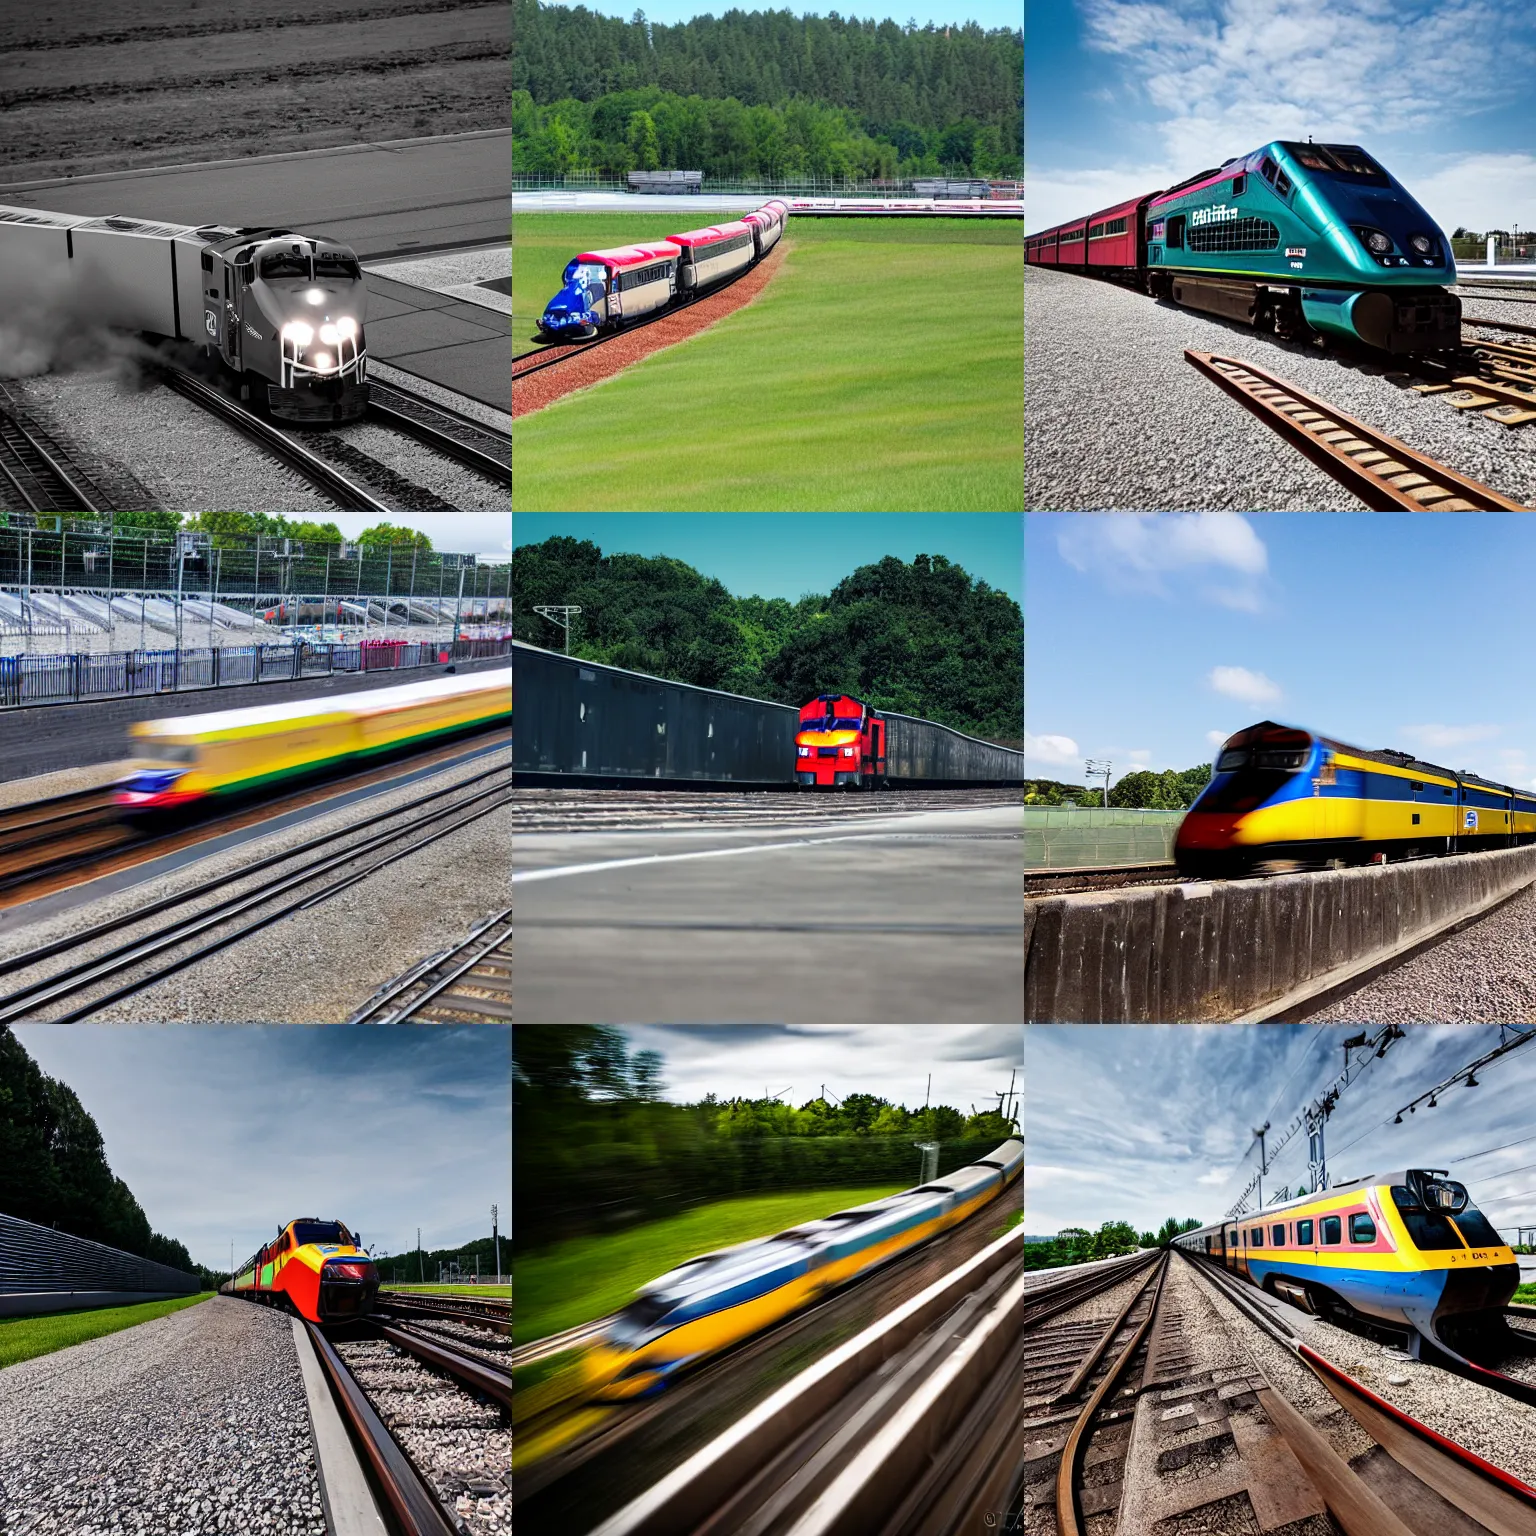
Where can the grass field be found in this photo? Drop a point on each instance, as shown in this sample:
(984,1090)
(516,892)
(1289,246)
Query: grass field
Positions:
(881,370)
(23,1338)
(1526,1295)
(588,1277)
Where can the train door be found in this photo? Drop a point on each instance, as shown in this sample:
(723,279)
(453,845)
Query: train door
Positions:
(213,307)
(1232,1256)
(230,329)
(615,301)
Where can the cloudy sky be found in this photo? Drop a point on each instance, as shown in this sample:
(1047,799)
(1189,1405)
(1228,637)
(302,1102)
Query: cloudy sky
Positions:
(1152,639)
(226,1133)
(1141,1122)
(787,554)
(970,1063)
(1127,96)
(460,533)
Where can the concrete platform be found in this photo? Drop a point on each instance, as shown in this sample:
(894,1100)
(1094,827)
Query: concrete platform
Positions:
(911,919)
(461,345)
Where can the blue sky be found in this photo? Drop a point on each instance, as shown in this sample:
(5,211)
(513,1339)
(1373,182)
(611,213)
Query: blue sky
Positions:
(1126,96)
(225,1133)
(985,13)
(787,554)
(1151,639)
(1140,1122)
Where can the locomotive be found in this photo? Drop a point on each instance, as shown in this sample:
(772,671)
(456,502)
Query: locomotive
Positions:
(1303,239)
(605,290)
(1408,1250)
(710,1303)
(279,313)
(1279,795)
(313,1267)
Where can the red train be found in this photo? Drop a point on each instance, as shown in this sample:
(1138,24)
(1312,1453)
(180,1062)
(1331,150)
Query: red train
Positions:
(313,1267)
(841,740)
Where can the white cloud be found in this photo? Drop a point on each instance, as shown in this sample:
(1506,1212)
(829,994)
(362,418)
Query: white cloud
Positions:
(1059,751)
(1140,758)
(1215,1176)
(1478,191)
(1442,736)
(1217,737)
(1240,683)
(1136,551)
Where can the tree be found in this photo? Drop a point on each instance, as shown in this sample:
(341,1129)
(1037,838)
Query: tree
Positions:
(386,535)
(643,144)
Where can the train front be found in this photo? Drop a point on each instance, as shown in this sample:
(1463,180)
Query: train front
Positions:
(330,1277)
(580,309)
(165,774)
(310,300)
(1264,801)
(829,741)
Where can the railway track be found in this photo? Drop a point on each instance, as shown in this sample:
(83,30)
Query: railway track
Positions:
(489,1312)
(469,983)
(108,961)
(449,432)
(1160,1413)
(37,472)
(1099,877)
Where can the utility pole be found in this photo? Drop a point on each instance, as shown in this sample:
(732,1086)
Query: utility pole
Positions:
(496,1239)
(1093,767)
(421,1273)
(1263,1166)
(926,1091)
(561,614)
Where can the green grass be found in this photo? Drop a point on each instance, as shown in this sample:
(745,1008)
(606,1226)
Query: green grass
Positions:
(1525,1295)
(587,1277)
(23,1338)
(880,370)
(460,1289)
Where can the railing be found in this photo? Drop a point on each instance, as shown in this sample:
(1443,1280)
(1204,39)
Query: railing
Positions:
(1057,837)
(117,674)
(34,1258)
(766,186)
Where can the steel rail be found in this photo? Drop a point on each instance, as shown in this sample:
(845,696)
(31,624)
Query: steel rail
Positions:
(437,974)
(17,442)
(439,439)
(490,1312)
(1384,473)
(411,1505)
(76,978)
(469,1369)
(325,478)
(1499,325)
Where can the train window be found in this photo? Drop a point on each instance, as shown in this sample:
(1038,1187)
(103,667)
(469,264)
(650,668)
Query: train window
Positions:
(207,262)
(1333,1229)
(166,752)
(1232,1238)
(1415,786)
(1175,237)
(1477,1229)
(1267,169)
(1256,1237)
(1361,1228)
(1304,1233)
(320,1232)
(284,265)
(337,266)
(1429,1230)
(1095,231)
(1355,163)
(1277,1235)
(1239,185)
(1115,227)
(1282,183)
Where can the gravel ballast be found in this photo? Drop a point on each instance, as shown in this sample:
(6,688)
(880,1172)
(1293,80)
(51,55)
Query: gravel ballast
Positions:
(192,1424)
(1116,419)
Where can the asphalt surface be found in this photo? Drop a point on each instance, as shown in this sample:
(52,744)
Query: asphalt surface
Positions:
(914,918)
(402,199)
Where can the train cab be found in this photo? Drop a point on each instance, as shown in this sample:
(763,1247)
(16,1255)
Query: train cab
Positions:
(602,289)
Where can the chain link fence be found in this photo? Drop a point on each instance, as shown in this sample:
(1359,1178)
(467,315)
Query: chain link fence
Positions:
(1060,837)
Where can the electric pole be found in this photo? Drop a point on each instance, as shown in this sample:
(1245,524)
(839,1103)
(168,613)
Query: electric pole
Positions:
(496,1239)
(1263,1166)
(1093,767)
(421,1272)
(561,614)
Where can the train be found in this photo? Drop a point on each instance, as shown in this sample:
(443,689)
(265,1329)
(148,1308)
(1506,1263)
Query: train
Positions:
(1285,797)
(185,762)
(1406,1250)
(1307,240)
(315,1268)
(607,290)
(843,742)
(279,314)
(708,1304)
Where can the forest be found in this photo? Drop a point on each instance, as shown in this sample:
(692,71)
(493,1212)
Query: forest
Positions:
(763,94)
(596,1147)
(1114,1239)
(923,638)
(54,1170)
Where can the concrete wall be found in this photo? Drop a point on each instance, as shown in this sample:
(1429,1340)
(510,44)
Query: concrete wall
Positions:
(1223,950)
(39,1303)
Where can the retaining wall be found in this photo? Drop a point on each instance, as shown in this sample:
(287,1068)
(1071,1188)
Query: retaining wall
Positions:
(42,1270)
(1229,949)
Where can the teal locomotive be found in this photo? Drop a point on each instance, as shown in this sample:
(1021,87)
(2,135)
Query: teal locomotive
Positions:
(1301,239)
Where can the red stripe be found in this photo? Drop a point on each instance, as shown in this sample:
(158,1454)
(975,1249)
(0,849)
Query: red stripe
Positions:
(1225,175)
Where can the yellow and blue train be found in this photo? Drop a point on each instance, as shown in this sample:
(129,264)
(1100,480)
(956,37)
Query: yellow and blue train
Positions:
(1408,1250)
(713,1302)
(188,760)
(1285,797)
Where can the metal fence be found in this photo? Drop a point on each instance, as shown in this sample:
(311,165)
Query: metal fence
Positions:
(118,674)
(765,186)
(34,1258)
(1058,837)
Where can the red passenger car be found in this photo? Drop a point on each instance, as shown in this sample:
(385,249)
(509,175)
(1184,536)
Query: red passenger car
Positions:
(841,741)
(1109,241)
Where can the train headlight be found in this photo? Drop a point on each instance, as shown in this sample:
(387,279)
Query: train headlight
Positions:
(1374,240)
(298,333)
(329,335)
(1421,243)
(347,327)
(322,361)
(314,296)
(849,751)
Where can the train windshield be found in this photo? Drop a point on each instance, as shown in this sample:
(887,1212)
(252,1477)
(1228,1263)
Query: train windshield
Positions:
(1346,161)
(1430,1230)
(1477,1229)
(320,1232)
(590,273)
(170,752)
(830,723)
(286,264)
(638,1320)
(337,266)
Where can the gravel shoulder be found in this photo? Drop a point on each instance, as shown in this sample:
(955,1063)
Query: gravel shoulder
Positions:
(194,1423)
(1116,419)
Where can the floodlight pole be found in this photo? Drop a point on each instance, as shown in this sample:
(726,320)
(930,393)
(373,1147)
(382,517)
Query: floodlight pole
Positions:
(561,614)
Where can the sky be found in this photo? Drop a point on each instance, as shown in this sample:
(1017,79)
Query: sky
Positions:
(1151,639)
(459,533)
(971,1063)
(1141,1122)
(226,1133)
(788,554)
(985,13)
(1124,97)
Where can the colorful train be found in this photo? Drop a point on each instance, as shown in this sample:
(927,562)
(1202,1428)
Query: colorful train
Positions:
(713,1302)
(1301,239)
(186,761)
(1290,798)
(1408,1250)
(281,313)
(606,290)
(313,1267)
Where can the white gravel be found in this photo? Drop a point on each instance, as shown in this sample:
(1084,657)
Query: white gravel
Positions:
(1486,974)
(319,964)
(187,459)
(1118,420)
(192,1424)
(451,481)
